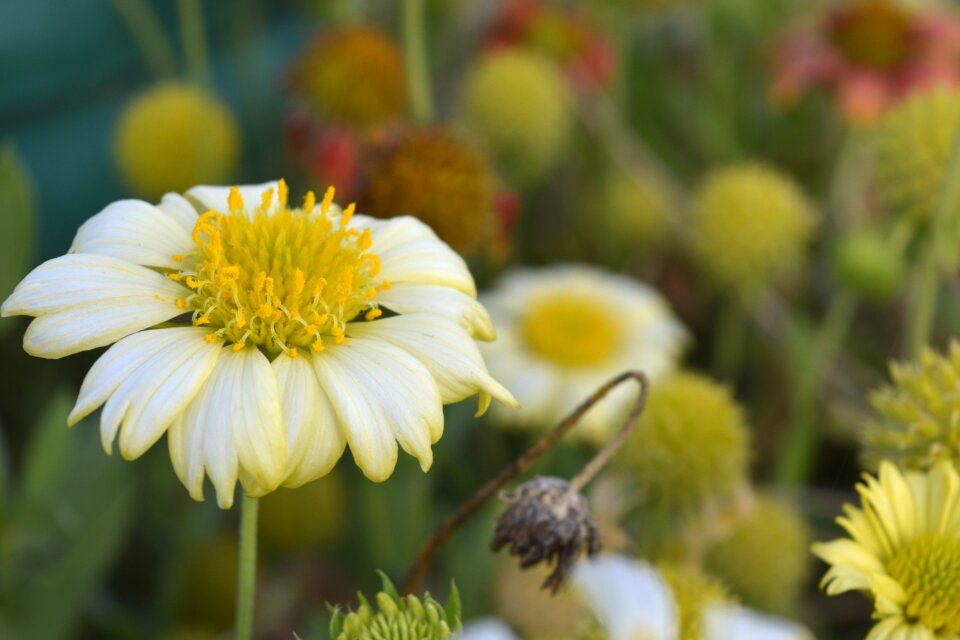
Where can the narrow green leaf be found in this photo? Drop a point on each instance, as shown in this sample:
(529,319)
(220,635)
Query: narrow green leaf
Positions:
(48,451)
(452,609)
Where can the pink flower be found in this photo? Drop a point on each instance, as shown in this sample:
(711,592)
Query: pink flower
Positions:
(869,55)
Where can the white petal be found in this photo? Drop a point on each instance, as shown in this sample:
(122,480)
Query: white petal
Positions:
(134,231)
(381,393)
(410,252)
(148,400)
(232,428)
(486,629)
(725,621)
(216,197)
(441,301)
(314,439)
(629,598)
(444,348)
(180,210)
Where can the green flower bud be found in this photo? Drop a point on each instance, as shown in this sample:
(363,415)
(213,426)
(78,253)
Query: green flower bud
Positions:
(865,264)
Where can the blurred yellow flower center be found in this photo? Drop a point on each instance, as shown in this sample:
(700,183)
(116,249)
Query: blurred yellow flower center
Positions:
(928,568)
(875,33)
(571,331)
(279,278)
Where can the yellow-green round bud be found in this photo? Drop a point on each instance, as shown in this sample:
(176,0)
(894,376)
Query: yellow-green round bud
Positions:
(517,103)
(693,592)
(691,445)
(751,226)
(353,76)
(636,207)
(912,152)
(764,559)
(865,263)
(440,178)
(303,519)
(174,136)
(393,617)
(916,425)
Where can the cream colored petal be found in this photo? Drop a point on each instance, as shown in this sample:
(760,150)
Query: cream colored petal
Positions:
(314,439)
(216,197)
(629,598)
(381,395)
(87,301)
(134,231)
(233,422)
(180,210)
(147,402)
(411,253)
(852,564)
(897,628)
(726,622)
(447,351)
(942,500)
(441,301)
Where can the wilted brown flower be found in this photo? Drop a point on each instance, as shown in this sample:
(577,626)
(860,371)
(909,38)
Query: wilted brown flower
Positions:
(547,521)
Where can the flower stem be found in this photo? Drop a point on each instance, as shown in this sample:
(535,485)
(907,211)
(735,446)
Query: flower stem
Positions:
(728,339)
(418,72)
(799,444)
(935,252)
(247,574)
(194,41)
(147,32)
(466,510)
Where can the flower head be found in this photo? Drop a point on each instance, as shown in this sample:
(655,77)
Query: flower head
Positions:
(866,263)
(517,104)
(562,34)
(693,592)
(547,521)
(352,76)
(691,445)
(751,225)
(870,54)
(564,331)
(398,618)
(912,152)
(635,207)
(438,177)
(764,558)
(276,353)
(903,551)
(175,135)
(916,425)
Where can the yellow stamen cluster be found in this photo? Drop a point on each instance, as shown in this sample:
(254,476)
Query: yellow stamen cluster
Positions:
(279,278)
(928,568)
(571,331)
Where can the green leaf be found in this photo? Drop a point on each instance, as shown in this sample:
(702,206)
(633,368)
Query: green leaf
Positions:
(17,223)
(336,622)
(48,454)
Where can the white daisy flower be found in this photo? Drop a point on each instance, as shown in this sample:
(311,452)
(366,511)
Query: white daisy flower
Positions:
(564,331)
(631,601)
(486,629)
(253,334)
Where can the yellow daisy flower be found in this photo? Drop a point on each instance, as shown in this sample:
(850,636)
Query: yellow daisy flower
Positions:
(253,334)
(904,551)
(567,329)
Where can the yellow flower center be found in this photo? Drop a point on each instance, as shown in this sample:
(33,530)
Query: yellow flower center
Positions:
(571,331)
(279,278)
(928,568)
(875,33)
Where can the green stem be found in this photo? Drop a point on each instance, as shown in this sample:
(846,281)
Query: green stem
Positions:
(194,40)
(247,573)
(729,339)
(147,31)
(799,445)
(936,252)
(418,72)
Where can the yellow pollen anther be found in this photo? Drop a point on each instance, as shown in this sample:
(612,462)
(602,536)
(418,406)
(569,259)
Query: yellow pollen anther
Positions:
(327,199)
(311,329)
(385,285)
(177,257)
(202,320)
(373,314)
(241,318)
(309,201)
(174,276)
(237,346)
(298,281)
(365,239)
(235,200)
(292,352)
(258,281)
(181,303)
(265,199)
(317,346)
(370,294)
(192,282)
(282,192)
(348,215)
(210,337)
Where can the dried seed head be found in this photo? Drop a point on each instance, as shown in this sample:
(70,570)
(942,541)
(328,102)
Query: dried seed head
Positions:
(547,521)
